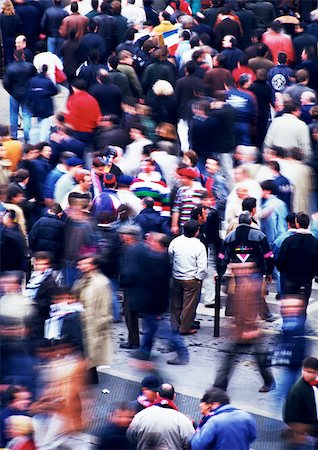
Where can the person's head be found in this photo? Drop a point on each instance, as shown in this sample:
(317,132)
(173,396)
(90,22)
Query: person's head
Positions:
(291,220)
(94,56)
(212,166)
(229,41)
(245,218)
(18,398)
(148,165)
(20,42)
(122,415)
(148,202)
(125,57)
(274,166)
(129,234)
(84,179)
(116,7)
(21,176)
(113,61)
(302,76)
(249,204)
(194,41)
(4,131)
(276,26)
(106,8)
(241,174)
(19,426)
(219,60)
(308,54)
(164,15)
(95,4)
(200,214)
(191,228)
(261,50)
(167,131)
(8,8)
(74,7)
(190,158)
(149,387)
(187,175)
(198,56)
(268,188)
(162,88)
(167,391)
(309,369)
(245,80)
(282,58)
(42,261)
(213,398)
(55,210)
(137,131)
(87,263)
(291,106)
(201,108)
(79,84)
(307,98)
(98,165)
(302,220)
(73,165)
(110,180)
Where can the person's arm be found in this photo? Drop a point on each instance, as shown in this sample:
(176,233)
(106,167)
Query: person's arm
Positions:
(202,264)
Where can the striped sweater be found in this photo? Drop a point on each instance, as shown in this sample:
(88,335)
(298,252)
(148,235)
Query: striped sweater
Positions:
(151,185)
(186,199)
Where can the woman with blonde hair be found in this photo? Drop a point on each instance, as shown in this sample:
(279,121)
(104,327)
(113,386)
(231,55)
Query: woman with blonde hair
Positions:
(10,24)
(20,429)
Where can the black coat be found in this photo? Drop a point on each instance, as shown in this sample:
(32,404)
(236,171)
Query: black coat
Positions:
(164,108)
(108,96)
(52,19)
(16,78)
(47,235)
(184,94)
(150,220)
(12,250)
(40,92)
(300,406)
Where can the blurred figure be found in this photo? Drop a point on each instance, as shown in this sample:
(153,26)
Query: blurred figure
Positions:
(113,435)
(20,430)
(222,425)
(18,402)
(94,291)
(58,411)
(300,410)
(149,388)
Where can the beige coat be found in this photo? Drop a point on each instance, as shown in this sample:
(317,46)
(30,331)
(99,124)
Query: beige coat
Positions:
(94,291)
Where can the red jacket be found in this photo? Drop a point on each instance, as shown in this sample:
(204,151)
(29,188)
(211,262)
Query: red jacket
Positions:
(83,112)
(279,42)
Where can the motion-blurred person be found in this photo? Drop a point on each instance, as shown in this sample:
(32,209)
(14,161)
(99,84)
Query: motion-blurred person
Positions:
(13,248)
(20,430)
(297,260)
(59,410)
(300,410)
(161,425)
(113,435)
(18,400)
(12,147)
(94,291)
(222,425)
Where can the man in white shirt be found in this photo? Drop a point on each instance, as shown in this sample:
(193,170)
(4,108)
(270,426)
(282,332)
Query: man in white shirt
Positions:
(134,14)
(189,268)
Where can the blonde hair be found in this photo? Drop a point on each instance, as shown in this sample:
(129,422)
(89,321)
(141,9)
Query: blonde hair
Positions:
(22,425)
(8,8)
(162,87)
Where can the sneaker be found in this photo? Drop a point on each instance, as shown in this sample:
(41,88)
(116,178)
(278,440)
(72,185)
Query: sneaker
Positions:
(177,361)
(267,387)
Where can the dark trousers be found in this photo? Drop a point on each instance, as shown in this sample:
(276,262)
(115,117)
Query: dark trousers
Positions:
(293,288)
(184,300)
(225,371)
(132,321)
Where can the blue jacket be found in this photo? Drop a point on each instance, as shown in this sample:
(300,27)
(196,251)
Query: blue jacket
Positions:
(274,223)
(40,93)
(227,428)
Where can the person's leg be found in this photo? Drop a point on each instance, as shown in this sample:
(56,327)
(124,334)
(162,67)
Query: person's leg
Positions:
(223,373)
(51,44)
(260,354)
(208,284)
(14,117)
(115,303)
(149,325)
(191,292)
(183,132)
(176,303)
(44,128)
(132,322)
(27,117)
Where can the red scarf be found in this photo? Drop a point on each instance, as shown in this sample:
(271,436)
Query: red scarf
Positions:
(166,403)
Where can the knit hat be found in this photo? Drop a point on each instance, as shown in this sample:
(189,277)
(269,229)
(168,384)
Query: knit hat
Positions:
(189,172)
(73,162)
(152,383)
(110,180)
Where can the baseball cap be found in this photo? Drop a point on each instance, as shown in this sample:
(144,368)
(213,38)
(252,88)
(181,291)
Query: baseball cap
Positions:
(73,162)
(152,382)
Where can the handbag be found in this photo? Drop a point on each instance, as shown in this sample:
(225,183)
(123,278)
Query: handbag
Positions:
(60,76)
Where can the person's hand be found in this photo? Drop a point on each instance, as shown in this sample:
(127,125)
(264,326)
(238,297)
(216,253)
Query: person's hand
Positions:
(175,229)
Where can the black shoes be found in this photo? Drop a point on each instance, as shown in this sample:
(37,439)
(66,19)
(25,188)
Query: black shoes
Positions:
(267,387)
(128,346)
(177,361)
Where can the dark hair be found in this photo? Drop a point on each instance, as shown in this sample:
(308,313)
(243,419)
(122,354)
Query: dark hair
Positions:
(215,395)
(165,15)
(190,67)
(261,50)
(233,41)
(191,154)
(248,204)
(106,8)
(282,57)
(4,130)
(186,34)
(303,220)
(194,41)
(148,202)
(92,25)
(221,59)
(268,185)
(190,228)
(113,61)
(310,52)
(79,83)
(197,211)
(291,219)
(43,255)
(274,165)
(310,363)
(290,105)
(74,7)
(166,391)
(275,25)
(41,46)
(205,39)
(95,4)
(94,56)
(20,175)
(55,208)
(301,75)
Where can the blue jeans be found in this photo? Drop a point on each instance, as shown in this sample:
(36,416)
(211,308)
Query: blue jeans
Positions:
(150,325)
(115,302)
(14,117)
(54,44)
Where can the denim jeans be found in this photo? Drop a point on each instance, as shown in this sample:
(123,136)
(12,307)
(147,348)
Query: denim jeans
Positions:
(14,117)
(54,44)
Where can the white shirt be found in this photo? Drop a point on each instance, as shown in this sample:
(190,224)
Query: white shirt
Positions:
(189,258)
(134,14)
(51,60)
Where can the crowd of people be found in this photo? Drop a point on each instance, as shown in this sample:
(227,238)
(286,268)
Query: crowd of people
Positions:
(187,150)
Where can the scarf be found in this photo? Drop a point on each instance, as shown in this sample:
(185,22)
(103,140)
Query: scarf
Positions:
(35,282)
(166,403)
(143,401)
